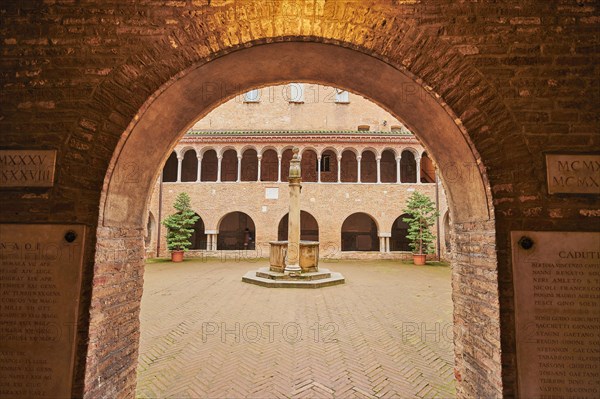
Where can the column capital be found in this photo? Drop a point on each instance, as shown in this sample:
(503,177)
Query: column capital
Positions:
(358,157)
(179,157)
(378,158)
(399,157)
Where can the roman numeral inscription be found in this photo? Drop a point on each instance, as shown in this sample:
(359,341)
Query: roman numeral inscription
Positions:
(573,174)
(27,168)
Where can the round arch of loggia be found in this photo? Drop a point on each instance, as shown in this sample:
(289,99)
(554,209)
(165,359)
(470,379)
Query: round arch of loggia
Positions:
(173,109)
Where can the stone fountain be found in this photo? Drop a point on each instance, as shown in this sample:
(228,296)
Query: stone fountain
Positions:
(294,263)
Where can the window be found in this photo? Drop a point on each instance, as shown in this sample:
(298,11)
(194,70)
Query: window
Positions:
(296,93)
(399,129)
(341,96)
(363,128)
(325,164)
(253,96)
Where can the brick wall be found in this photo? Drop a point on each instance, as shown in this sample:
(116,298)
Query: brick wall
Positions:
(521,77)
(330,204)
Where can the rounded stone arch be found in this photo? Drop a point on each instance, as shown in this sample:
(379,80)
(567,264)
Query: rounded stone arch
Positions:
(309,227)
(209,164)
(122,206)
(329,165)
(285,148)
(207,148)
(266,148)
(368,165)
(349,166)
(286,157)
(237,231)
(360,232)
(198,238)
(351,149)
(309,157)
(412,150)
(308,148)
(408,166)
(222,150)
(395,151)
(189,165)
(370,149)
(427,168)
(248,147)
(399,232)
(169,169)
(183,150)
(269,164)
(230,159)
(249,163)
(329,148)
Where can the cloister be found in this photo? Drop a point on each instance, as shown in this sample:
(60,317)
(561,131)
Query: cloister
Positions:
(500,94)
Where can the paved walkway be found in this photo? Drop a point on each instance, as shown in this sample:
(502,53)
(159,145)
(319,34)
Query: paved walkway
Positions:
(386,333)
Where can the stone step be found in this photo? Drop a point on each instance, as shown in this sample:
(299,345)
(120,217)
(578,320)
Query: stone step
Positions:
(303,276)
(266,278)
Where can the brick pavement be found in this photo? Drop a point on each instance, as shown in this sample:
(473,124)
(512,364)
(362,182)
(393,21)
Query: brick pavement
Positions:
(386,333)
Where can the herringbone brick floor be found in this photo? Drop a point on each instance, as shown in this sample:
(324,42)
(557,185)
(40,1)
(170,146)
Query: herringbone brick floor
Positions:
(386,333)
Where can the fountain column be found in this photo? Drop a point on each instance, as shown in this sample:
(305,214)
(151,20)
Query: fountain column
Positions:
(292,264)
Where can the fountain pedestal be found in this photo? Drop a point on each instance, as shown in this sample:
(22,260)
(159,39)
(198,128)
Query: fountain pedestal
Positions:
(309,256)
(294,263)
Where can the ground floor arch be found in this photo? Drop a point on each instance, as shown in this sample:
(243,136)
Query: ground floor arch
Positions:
(198,238)
(359,233)
(399,240)
(236,232)
(123,206)
(309,228)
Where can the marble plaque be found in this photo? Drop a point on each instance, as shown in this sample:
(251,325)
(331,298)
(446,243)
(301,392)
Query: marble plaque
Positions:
(40,281)
(27,168)
(573,174)
(557,310)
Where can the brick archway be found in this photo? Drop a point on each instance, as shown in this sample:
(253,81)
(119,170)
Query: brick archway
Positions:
(199,89)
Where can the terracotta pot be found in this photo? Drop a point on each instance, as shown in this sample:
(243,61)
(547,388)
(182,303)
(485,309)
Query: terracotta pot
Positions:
(419,259)
(176,256)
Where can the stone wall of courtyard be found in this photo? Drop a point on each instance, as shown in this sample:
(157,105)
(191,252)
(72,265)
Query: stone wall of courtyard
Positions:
(329,203)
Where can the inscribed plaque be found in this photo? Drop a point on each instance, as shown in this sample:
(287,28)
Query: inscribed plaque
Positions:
(27,168)
(573,174)
(557,309)
(40,280)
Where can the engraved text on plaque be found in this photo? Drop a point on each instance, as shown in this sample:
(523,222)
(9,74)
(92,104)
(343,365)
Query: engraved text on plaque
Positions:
(40,278)
(557,295)
(573,174)
(27,168)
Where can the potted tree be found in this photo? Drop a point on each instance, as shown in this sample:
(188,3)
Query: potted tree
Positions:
(180,227)
(421,217)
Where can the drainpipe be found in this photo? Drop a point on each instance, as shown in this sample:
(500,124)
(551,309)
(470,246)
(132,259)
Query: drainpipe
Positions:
(437,208)
(160,187)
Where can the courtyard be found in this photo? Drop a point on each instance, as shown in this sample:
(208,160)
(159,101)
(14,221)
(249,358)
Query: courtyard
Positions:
(386,333)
